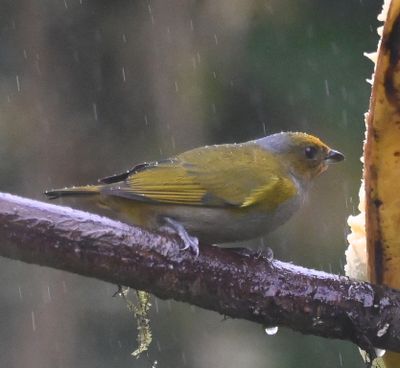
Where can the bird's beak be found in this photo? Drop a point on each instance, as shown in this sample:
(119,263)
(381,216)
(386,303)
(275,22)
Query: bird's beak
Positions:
(334,156)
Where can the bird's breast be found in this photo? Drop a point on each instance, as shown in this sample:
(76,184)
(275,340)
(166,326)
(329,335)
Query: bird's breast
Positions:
(222,225)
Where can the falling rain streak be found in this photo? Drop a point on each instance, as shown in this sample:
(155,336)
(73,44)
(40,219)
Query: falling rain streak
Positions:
(33,321)
(95,111)
(327,88)
(18,84)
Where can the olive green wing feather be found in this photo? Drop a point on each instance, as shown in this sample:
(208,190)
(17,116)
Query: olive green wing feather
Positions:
(160,183)
(210,176)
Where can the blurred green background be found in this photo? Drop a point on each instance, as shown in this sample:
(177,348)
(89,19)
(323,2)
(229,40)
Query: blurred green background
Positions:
(89,88)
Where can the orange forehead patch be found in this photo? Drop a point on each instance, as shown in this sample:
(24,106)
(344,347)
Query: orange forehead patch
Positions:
(308,138)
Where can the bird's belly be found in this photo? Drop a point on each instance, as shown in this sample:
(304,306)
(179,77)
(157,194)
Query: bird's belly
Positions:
(220,226)
(214,225)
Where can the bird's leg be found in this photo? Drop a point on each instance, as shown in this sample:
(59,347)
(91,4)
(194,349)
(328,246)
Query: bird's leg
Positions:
(174,227)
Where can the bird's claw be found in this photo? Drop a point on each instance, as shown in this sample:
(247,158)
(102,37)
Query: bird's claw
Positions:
(268,254)
(189,242)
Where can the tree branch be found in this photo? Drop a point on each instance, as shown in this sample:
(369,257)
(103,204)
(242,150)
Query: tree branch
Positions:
(247,286)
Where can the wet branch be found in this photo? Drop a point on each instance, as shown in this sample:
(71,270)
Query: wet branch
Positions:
(247,286)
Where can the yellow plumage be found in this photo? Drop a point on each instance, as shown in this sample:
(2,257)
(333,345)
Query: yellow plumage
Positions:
(217,193)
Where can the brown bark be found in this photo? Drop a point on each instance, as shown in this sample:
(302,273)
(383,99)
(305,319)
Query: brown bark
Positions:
(240,285)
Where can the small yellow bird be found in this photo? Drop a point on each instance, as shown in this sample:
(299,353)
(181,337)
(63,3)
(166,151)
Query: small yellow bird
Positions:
(217,194)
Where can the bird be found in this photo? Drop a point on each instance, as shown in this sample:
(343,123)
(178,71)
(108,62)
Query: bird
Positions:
(219,193)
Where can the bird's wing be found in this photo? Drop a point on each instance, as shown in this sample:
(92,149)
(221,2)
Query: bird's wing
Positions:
(216,176)
(123,176)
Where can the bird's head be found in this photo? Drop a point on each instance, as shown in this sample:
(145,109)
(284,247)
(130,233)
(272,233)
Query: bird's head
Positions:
(304,155)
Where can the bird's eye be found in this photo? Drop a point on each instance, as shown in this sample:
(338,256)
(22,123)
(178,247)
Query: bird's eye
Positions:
(311,152)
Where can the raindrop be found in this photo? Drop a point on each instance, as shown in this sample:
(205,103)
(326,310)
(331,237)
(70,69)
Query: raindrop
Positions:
(271,330)
(95,111)
(48,293)
(317,321)
(340,359)
(151,13)
(123,74)
(169,39)
(33,321)
(383,330)
(264,128)
(327,88)
(215,39)
(184,358)
(176,86)
(18,84)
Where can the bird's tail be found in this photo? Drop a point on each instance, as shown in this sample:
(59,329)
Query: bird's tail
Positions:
(73,191)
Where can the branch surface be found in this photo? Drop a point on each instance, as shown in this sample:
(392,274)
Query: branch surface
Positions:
(247,285)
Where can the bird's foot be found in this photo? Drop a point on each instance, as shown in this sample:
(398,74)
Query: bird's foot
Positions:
(174,227)
(267,253)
